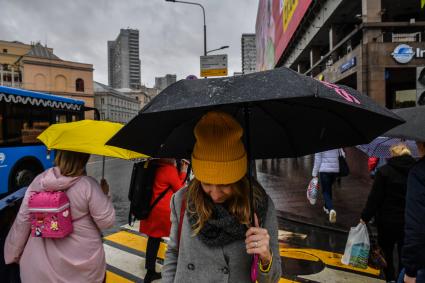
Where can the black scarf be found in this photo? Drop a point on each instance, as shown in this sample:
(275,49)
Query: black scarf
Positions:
(223,228)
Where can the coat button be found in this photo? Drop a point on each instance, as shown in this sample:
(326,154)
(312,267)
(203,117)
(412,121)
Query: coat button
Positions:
(191,266)
(225,270)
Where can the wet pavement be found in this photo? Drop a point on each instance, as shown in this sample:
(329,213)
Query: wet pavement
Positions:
(286,180)
(118,175)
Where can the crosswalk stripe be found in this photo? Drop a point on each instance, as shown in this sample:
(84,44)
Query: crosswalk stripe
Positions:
(113,277)
(136,242)
(124,264)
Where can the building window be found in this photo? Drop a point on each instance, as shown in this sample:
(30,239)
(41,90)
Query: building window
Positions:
(79,85)
(102,101)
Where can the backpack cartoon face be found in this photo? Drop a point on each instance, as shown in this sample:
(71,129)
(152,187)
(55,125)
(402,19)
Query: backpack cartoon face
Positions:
(38,232)
(54,223)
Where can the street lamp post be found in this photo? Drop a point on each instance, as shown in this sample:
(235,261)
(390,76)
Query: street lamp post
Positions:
(203,12)
(223,47)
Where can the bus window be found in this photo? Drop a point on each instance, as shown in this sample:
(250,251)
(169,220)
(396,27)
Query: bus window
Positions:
(16,118)
(60,118)
(1,129)
(23,126)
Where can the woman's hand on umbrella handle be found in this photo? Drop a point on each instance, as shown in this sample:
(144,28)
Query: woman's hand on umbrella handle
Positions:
(258,242)
(104,186)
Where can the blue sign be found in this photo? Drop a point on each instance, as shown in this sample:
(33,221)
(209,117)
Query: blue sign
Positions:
(348,65)
(403,53)
(191,77)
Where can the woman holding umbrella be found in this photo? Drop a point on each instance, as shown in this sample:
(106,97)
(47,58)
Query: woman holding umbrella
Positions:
(78,257)
(211,239)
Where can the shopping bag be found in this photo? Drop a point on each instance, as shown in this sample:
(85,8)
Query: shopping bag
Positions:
(357,248)
(312,190)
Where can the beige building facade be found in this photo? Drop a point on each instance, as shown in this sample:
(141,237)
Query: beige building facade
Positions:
(36,67)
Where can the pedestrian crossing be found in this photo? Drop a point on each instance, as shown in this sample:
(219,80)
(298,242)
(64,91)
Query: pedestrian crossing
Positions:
(125,257)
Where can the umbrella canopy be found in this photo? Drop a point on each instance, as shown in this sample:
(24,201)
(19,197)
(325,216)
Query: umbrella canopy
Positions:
(288,115)
(414,128)
(87,136)
(380,147)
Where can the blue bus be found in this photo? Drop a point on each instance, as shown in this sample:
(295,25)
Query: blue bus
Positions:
(23,116)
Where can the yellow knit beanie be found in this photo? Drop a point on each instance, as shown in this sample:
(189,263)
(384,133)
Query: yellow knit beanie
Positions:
(219,155)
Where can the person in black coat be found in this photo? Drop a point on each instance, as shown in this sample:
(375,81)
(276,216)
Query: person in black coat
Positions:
(414,246)
(386,202)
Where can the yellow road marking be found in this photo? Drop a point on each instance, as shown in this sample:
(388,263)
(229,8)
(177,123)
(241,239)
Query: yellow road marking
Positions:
(283,280)
(298,255)
(115,278)
(329,258)
(136,242)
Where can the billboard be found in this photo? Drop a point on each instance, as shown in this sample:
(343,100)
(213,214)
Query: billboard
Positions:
(277,21)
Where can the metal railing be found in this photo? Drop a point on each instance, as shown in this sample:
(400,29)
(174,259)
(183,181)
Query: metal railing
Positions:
(10,84)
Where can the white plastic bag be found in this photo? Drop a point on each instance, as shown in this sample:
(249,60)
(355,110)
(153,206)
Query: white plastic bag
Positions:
(357,248)
(312,190)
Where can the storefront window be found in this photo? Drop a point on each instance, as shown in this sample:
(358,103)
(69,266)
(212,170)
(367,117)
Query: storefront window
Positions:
(405,98)
(400,85)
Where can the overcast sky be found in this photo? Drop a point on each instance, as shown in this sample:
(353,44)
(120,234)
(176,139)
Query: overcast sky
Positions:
(171,34)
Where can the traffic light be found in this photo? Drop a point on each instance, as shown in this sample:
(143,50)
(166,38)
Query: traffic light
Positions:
(420,85)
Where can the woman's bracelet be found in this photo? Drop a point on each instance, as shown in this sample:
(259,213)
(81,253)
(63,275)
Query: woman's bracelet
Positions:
(265,268)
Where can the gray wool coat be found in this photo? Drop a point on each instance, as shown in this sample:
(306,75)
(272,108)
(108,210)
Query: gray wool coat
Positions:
(194,261)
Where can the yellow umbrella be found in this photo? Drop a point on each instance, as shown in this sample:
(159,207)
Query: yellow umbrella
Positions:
(87,136)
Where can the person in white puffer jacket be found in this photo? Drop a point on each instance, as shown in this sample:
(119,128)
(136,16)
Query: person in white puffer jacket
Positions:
(326,167)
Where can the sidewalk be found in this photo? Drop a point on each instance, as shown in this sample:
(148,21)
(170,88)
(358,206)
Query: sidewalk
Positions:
(286,180)
(308,255)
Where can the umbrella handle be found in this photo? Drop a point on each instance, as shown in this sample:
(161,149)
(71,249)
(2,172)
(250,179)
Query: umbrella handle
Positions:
(103,167)
(247,112)
(254,269)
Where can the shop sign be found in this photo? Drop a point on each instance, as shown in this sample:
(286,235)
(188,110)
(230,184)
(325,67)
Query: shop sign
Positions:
(348,65)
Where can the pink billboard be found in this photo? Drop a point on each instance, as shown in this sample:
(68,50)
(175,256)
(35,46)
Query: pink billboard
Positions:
(277,21)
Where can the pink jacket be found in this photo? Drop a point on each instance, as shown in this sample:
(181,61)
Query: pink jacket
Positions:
(77,258)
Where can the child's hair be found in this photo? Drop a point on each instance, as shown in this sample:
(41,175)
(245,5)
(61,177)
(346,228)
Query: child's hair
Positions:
(70,163)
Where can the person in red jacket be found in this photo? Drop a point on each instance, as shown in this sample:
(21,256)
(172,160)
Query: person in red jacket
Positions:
(158,224)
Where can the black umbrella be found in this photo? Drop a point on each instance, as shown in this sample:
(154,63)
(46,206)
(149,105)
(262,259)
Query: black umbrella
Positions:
(414,128)
(287,114)
(284,114)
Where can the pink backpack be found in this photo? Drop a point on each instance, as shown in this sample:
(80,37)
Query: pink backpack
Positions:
(50,214)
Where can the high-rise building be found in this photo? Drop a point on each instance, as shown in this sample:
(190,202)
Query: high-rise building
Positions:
(124,60)
(249,53)
(162,82)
